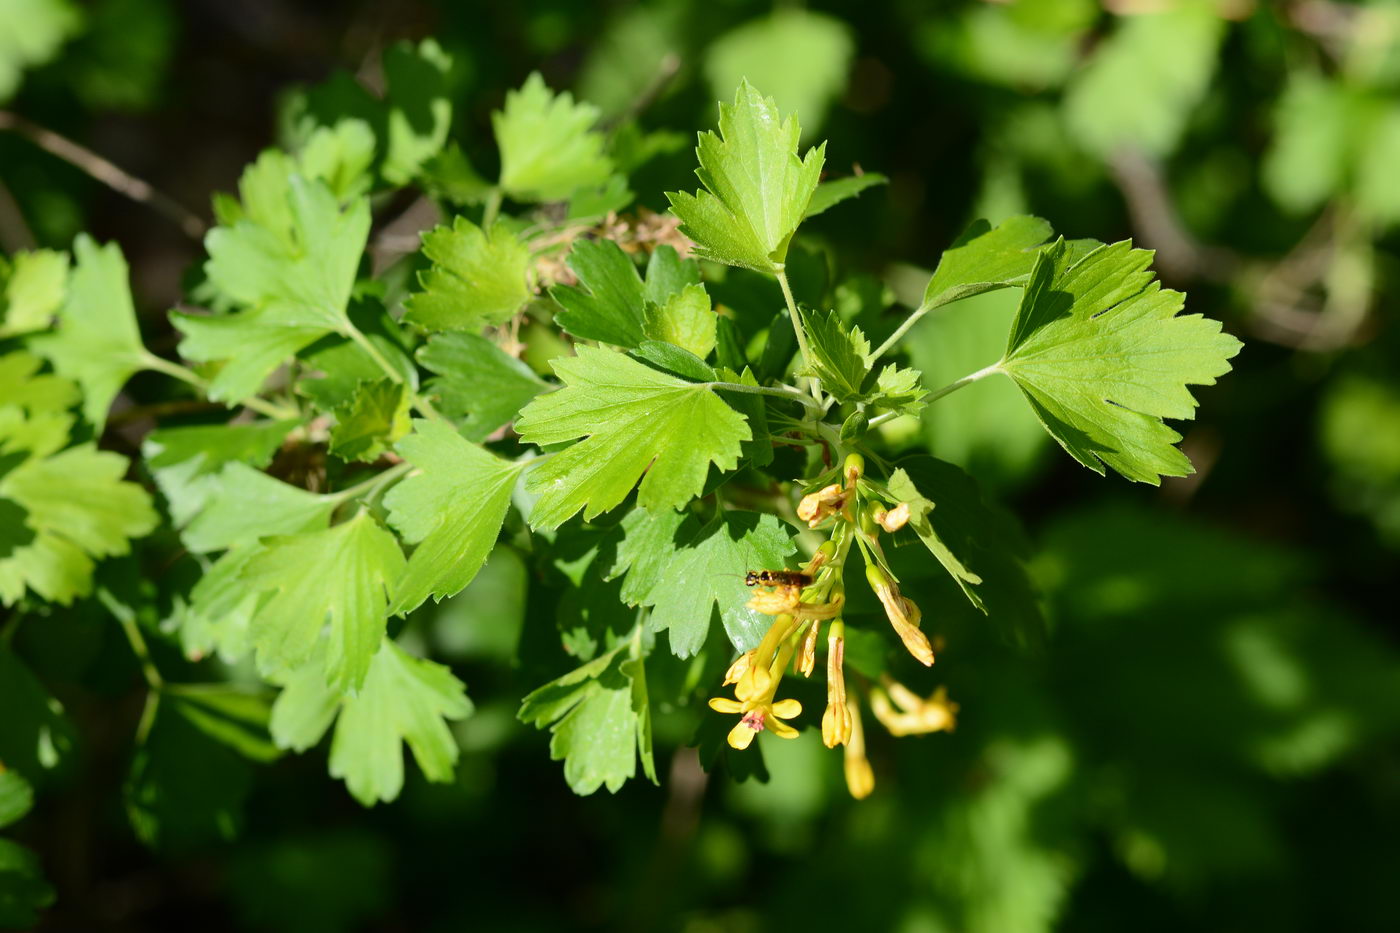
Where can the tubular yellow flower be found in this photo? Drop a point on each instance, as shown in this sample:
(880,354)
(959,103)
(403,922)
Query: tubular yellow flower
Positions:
(860,777)
(902,613)
(806,659)
(836,721)
(818,506)
(738,668)
(915,714)
(893,519)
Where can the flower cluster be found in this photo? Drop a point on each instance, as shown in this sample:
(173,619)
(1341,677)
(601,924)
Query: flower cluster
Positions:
(800,602)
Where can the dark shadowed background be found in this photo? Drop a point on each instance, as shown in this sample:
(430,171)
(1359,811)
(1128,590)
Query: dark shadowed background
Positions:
(1210,739)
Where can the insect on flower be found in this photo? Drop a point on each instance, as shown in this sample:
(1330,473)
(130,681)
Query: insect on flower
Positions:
(777,578)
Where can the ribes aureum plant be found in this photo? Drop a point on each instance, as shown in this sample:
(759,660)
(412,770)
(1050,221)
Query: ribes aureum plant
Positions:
(665,417)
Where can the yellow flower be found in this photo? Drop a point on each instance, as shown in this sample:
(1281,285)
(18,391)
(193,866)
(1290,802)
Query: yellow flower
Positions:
(756,715)
(816,507)
(902,613)
(860,777)
(904,712)
(892,519)
(836,721)
(806,660)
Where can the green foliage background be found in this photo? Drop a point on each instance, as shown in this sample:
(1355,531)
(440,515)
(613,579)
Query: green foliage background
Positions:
(1210,737)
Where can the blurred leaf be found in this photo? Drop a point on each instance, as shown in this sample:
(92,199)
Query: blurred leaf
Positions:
(16,797)
(985,428)
(23,890)
(548,147)
(831,193)
(186,462)
(802,58)
(31,32)
(35,735)
(185,787)
(97,343)
(1145,81)
(330,882)
(977,544)
(419,107)
(403,700)
(232,717)
(1314,141)
(247,504)
(32,288)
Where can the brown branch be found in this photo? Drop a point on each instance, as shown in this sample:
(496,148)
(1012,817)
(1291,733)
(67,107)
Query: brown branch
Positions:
(110,175)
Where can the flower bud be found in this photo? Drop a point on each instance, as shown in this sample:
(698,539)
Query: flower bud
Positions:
(853,469)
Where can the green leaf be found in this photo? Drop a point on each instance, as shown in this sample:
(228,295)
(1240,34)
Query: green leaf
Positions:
(831,193)
(301,276)
(451,507)
(977,544)
(35,735)
(247,504)
(599,720)
(1315,141)
(97,343)
(31,33)
(682,572)
(634,420)
(404,700)
(32,287)
(610,303)
(219,616)
(339,577)
(686,320)
(548,147)
(263,343)
(756,190)
(478,382)
(419,105)
(898,389)
(22,386)
(1145,81)
(801,57)
(478,278)
(373,420)
(16,797)
(341,156)
(23,890)
(1101,355)
(840,358)
(984,259)
(186,462)
(232,717)
(668,275)
(185,787)
(58,513)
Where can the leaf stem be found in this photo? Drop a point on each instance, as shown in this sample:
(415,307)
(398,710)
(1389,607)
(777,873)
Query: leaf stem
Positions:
(364,343)
(493,207)
(901,330)
(369,486)
(952,387)
(783,392)
(782,278)
(184,374)
(127,619)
